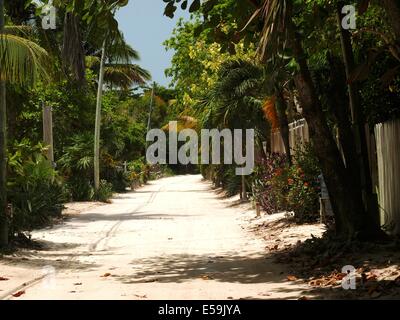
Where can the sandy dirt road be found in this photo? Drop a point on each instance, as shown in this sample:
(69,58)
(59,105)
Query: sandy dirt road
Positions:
(172,239)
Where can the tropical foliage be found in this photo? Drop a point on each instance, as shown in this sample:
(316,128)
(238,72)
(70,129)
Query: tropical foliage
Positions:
(313,68)
(258,64)
(64,69)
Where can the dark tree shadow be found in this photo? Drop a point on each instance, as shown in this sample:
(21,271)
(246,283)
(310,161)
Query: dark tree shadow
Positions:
(182,267)
(91,217)
(318,261)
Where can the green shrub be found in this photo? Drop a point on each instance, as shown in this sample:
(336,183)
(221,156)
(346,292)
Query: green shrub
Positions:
(269,186)
(76,164)
(118,178)
(167,171)
(79,189)
(279,187)
(35,189)
(231,182)
(304,188)
(105,191)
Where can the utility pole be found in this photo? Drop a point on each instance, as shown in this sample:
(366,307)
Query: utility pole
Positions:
(150,112)
(98,119)
(151,107)
(48,132)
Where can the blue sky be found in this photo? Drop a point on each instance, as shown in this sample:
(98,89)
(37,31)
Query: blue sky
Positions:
(145,29)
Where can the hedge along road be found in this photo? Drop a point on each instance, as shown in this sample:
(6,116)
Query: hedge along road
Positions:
(172,239)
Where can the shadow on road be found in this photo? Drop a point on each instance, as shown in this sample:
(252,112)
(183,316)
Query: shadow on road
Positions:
(94,217)
(182,267)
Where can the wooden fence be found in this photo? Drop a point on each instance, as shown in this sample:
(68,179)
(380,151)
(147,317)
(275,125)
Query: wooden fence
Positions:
(384,157)
(388,155)
(298,136)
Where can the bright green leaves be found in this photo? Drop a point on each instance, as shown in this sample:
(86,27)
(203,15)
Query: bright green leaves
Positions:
(98,15)
(23,61)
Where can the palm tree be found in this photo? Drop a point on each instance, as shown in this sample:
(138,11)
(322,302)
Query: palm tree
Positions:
(21,62)
(116,57)
(125,75)
(119,75)
(102,29)
(236,101)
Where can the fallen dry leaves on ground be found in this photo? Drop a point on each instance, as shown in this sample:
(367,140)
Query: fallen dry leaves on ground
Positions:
(335,278)
(292,278)
(18,294)
(106,275)
(317,261)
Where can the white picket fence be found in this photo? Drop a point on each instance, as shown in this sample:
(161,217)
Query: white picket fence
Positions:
(388,153)
(384,149)
(298,137)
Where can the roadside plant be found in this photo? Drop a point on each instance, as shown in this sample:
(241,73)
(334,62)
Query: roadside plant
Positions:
(36,191)
(304,187)
(269,185)
(105,191)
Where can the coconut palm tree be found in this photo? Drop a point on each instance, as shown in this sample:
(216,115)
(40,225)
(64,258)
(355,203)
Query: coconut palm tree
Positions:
(236,101)
(102,29)
(125,75)
(115,61)
(22,62)
(119,75)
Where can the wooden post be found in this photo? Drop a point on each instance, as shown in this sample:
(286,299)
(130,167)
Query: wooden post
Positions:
(244,191)
(258,210)
(48,132)
(125,167)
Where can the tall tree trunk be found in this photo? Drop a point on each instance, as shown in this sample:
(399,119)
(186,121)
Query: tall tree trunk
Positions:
(358,123)
(350,217)
(3,148)
(339,105)
(98,120)
(284,124)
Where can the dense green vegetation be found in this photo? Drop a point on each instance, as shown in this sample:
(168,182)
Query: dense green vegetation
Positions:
(258,64)
(293,59)
(61,69)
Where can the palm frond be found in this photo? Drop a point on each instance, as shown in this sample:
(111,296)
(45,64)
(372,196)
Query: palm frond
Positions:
(274,16)
(120,51)
(125,75)
(21,61)
(236,99)
(23,30)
